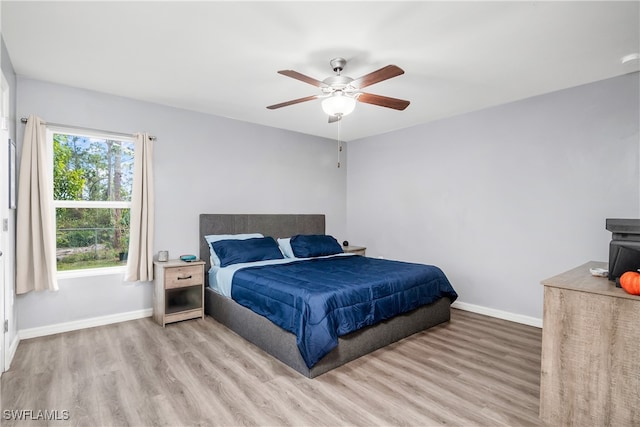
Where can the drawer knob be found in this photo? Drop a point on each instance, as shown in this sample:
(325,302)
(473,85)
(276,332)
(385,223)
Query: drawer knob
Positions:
(185,278)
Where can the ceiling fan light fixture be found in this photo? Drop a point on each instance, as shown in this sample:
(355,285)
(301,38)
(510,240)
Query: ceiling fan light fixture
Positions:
(340,93)
(338,105)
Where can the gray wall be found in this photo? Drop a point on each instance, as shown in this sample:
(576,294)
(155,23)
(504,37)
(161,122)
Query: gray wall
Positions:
(203,164)
(504,197)
(499,198)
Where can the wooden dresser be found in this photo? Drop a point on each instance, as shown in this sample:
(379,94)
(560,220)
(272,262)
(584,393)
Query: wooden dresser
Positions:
(590,373)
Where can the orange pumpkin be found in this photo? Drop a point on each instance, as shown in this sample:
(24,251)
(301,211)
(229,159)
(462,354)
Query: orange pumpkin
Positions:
(630,282)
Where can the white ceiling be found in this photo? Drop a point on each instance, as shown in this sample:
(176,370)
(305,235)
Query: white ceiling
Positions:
(221,57)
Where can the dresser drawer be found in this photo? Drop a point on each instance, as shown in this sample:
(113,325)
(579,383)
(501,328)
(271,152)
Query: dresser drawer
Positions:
(178,277)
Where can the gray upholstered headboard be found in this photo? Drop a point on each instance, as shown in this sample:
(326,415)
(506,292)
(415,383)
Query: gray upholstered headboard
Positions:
(274,225)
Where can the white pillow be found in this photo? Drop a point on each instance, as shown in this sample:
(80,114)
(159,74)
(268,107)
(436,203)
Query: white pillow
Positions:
(285,247)
(215,261)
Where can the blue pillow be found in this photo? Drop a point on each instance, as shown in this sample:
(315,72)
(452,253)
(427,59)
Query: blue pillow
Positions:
(247,250)
(312,245)
(215,261)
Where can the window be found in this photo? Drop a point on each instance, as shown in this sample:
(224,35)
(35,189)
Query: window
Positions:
(92,184)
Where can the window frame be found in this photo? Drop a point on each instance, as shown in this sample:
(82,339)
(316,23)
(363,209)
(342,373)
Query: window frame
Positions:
(89,204)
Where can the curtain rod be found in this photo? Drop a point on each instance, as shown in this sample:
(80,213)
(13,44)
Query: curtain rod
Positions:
(24,120)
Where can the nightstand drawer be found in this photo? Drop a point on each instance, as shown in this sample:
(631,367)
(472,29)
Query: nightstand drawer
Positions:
(358,250)
(178,277)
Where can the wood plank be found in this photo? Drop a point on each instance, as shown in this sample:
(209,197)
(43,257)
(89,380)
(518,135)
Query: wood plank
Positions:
(198,372)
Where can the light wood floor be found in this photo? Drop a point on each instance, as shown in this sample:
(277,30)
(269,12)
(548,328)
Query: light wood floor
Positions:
(475,370)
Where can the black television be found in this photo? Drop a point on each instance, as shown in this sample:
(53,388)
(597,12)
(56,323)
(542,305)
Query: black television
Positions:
(624,249)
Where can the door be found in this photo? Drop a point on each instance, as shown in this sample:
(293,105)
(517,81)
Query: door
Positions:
(4,212)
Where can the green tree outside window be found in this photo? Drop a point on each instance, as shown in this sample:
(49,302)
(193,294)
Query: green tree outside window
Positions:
(92,184)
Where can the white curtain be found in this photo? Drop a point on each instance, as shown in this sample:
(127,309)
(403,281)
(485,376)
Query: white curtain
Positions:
(140,261)
(35,228)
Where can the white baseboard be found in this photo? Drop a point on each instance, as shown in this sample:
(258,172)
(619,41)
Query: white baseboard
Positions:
(505,315)
(84,323)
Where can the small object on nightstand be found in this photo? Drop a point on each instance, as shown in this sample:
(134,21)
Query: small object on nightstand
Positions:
(345,243)
(163,256)
(188,258)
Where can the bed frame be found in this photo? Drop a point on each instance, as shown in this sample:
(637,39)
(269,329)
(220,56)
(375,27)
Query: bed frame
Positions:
(275,340)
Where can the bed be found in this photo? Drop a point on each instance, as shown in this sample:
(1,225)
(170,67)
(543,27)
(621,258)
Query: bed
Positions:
(283,344)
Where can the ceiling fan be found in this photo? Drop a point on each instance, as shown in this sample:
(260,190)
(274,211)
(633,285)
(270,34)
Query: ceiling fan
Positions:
(340,93)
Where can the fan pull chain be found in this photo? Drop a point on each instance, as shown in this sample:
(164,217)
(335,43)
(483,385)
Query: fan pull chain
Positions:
(339,143)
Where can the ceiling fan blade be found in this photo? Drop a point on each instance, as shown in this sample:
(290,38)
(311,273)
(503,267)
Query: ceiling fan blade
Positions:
(333,119)
(298,76)
(293,101)
(383,101)
(377,76)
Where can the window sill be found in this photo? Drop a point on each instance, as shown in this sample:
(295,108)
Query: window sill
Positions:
(91,272)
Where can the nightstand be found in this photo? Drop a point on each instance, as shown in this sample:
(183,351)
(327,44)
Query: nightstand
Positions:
(358,250)
(178,291)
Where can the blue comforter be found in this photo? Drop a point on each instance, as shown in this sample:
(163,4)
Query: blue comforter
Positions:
(321,299)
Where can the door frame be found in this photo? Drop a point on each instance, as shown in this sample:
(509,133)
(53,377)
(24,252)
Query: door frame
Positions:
(4,217)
